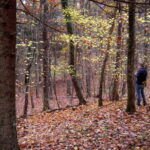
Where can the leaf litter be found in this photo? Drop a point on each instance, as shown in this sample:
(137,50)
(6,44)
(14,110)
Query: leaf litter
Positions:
(87,128)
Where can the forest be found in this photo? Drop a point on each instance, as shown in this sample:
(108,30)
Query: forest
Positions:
(74,74)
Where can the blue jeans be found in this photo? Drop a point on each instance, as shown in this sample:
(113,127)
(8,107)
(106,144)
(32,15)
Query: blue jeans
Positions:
(140,93)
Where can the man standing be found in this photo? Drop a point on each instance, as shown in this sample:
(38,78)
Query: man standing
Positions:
(141,83)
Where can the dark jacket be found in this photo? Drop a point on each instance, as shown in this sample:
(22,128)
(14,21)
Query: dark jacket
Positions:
(141,76)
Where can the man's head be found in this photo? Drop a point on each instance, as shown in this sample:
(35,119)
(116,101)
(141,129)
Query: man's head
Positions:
(142,65)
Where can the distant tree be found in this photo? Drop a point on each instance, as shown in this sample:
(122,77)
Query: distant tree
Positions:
(8,134)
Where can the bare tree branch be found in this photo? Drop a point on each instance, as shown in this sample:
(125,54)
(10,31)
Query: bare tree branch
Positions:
(126,2)
(29,13)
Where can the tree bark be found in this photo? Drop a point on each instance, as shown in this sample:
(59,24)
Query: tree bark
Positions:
(54,79)
(27,82)
(102,74)
(146,45)
(88,82)
(115,93)
(102,78)
(71,58)
(8,134)
(45,59)
(130,63)
(29,61)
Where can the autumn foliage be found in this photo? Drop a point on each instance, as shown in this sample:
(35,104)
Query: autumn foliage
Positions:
(85,128)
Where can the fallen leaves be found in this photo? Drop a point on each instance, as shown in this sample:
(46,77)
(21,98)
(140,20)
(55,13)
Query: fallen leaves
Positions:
(87,127)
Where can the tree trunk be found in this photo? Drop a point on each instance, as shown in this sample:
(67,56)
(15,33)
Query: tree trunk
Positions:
(115,93)
(32,98)
(72,59)
(8,134)
(45,59)
(26,95)
(130,63)
(27,81)
(32,102)
(146,45)
(102,78)
(123,90)
(30,59)
(50,95)
(102,74)
(88,81)
(37,64)
(69,91)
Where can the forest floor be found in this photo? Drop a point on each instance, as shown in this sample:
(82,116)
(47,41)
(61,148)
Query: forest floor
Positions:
(87,128)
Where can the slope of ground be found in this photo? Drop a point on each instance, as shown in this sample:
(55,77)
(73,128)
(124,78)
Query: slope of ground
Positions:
(87,128)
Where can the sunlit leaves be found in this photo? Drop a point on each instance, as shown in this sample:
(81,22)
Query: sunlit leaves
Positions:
(94,29)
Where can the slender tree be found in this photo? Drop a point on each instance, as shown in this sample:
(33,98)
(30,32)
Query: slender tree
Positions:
(45,58)
(72,57)
(102,73)
(130,63)
(146,35)
(27,81)
(8,134)
(115,89)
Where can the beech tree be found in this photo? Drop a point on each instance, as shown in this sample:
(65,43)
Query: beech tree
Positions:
(8,134)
